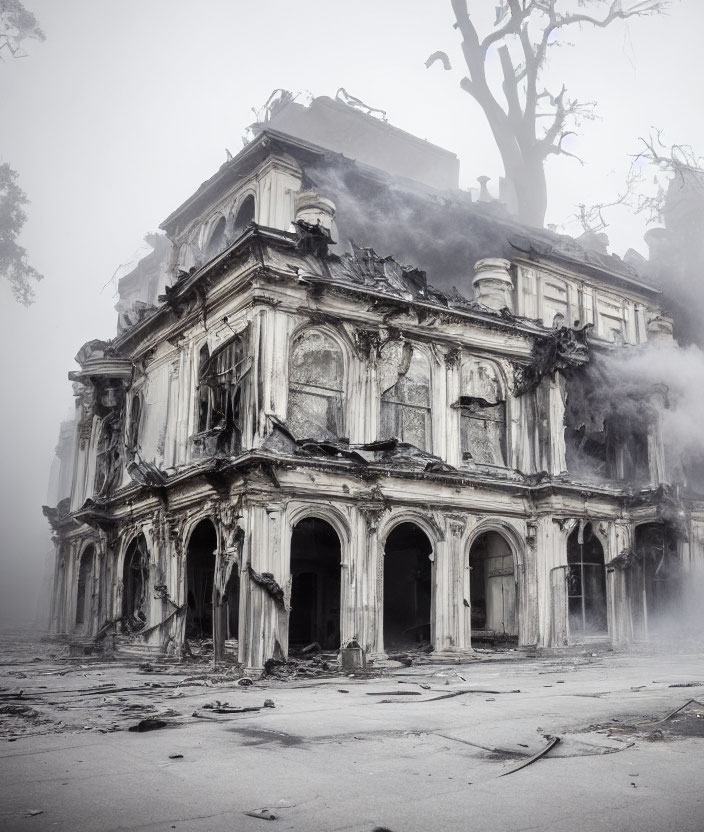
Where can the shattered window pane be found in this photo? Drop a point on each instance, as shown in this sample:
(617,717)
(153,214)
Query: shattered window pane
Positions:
(135,419)
(483,414)
(405,406)
(135,586)
(108,460)
(483,429)
(316,373)
(219,393)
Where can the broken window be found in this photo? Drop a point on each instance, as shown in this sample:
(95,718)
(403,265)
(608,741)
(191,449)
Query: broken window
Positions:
(135,585)
(135,420)
(203,389)
(606,436)
(84,589)
(316,385)
(245,215)
(482,414)
(404,374)
(220,394)
(108,461)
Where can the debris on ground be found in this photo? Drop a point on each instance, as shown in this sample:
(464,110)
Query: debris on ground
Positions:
(148,724)
(19,710)
(393,693)
(263,814)
(552,742)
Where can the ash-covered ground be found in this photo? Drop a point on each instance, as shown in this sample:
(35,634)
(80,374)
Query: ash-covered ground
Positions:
(423,747)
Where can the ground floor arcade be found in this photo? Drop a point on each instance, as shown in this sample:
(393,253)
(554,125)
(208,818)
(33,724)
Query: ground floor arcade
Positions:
(262,574)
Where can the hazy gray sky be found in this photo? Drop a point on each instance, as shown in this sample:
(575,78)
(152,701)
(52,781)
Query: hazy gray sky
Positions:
(128,106)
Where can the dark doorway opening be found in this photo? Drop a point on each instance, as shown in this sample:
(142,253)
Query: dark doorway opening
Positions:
(408,581)
(586,583)
(654,582)
(200,581)
(84,591)
(493,590)
(135,586)
(315,590)
(232,603)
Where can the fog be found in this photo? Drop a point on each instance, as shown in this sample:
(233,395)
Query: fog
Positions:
(127,107)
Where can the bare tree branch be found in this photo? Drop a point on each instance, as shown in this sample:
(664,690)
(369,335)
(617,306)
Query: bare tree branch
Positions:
(512,112)
(439,56)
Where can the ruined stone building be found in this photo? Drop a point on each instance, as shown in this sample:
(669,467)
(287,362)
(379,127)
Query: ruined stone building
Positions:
(296,437)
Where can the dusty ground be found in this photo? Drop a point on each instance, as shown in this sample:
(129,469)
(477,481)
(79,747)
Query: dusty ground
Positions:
(338,753)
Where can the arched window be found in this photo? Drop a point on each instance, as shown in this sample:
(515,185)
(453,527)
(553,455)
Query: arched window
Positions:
(245,215)
(482,405)
(219,392)
(84,589)
(315,386)
(586,582)
(405,396)
(135,585)
(203,389)
(108,465)
(135,419)
(216,243)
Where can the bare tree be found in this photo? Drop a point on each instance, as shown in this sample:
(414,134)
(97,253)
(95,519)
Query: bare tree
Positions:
(681,166)
(529,122)
(16,24)
(13,258)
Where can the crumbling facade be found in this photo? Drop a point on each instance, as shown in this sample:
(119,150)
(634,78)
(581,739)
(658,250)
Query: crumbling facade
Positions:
(291,441)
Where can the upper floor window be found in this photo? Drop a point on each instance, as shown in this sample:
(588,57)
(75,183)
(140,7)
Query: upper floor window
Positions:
(107,457)
(482,414)
(405,405)
(556,307)
(220,392)
(132,442)
(316,385)
(245,215)
(610,318)
(216,241)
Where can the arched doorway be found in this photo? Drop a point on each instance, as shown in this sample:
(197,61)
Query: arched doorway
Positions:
(84,590)
(200,582)
(408,583)
(493,599)
(135,586)
(586,583)
(315,589)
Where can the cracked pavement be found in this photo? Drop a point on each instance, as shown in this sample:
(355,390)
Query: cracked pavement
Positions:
(393,752)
